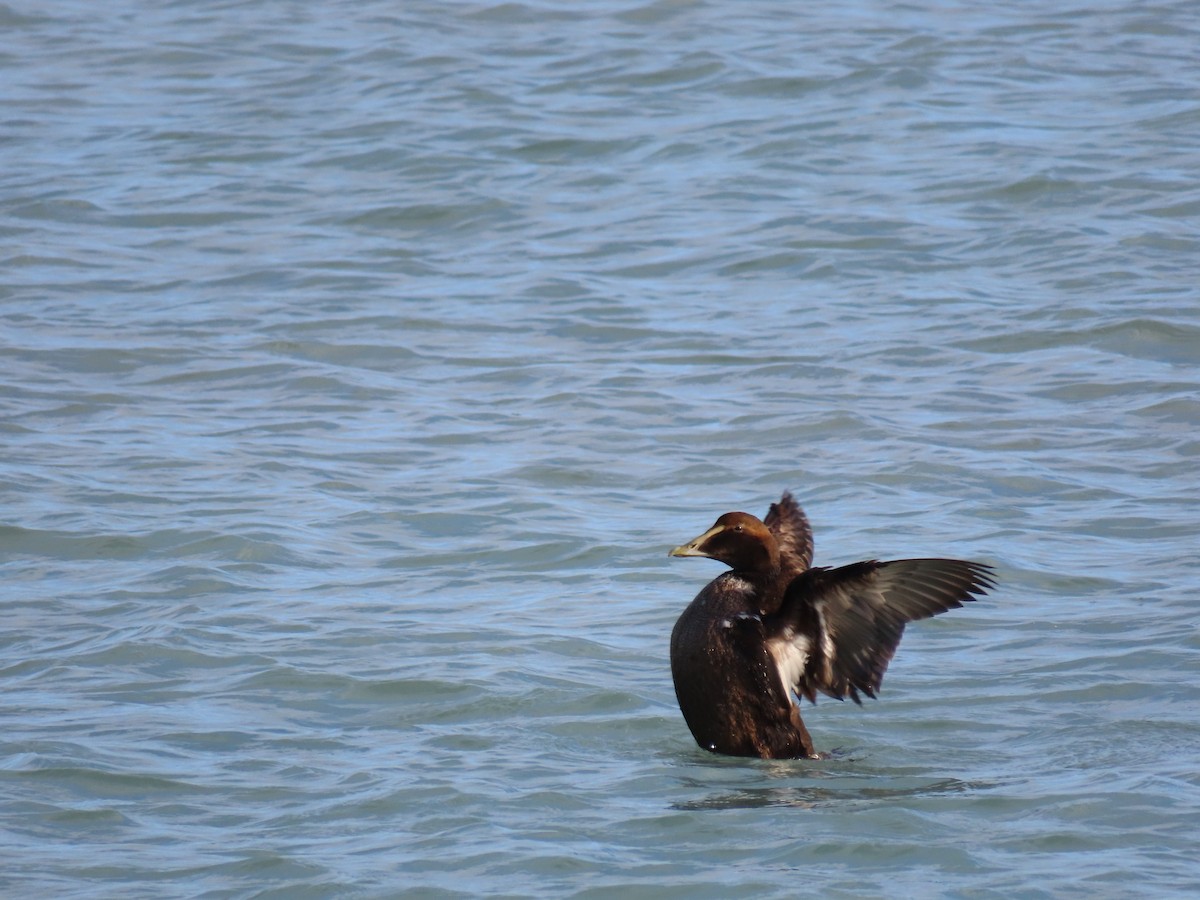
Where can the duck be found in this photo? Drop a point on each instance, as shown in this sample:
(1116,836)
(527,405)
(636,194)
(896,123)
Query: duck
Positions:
(774,628)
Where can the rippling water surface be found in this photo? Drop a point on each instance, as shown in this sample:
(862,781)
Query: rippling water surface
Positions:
(362,360)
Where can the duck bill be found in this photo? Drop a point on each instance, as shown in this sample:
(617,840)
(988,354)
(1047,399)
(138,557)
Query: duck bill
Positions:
(692,547)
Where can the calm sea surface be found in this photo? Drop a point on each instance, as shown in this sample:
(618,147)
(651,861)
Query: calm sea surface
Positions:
(360,361)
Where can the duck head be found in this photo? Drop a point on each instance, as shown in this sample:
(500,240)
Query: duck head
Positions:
(737,539)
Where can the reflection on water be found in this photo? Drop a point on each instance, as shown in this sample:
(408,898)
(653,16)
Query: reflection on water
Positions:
(846,794)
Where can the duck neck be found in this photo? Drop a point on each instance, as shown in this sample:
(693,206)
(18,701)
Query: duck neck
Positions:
(768,588)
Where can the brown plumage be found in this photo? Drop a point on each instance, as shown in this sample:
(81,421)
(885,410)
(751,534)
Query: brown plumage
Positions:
(773,629)
(789,526)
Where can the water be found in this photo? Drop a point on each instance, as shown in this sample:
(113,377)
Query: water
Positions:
(361,361)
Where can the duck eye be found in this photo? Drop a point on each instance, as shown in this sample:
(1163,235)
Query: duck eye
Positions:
(738,529)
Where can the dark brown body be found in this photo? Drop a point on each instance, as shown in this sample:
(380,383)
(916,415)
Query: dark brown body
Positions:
(727,685)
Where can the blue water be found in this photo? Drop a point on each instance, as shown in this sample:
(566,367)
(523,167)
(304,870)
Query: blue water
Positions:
(361,362)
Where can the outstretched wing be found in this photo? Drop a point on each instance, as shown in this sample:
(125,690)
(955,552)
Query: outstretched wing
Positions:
(787,522)
(838,628)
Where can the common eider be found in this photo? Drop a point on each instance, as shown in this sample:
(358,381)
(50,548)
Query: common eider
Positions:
(774,629)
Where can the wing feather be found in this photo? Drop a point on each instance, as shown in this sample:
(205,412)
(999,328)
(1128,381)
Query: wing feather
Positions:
(788,524)
(853,617)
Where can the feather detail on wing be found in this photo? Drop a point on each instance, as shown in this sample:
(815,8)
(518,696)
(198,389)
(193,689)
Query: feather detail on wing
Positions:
(840,627)
(787,522)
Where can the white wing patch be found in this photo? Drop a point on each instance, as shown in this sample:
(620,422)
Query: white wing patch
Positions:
(790,652)
(828,651)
